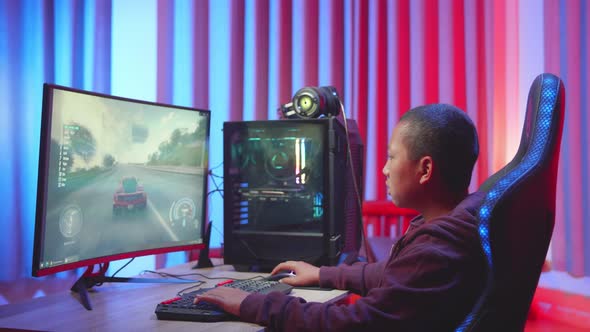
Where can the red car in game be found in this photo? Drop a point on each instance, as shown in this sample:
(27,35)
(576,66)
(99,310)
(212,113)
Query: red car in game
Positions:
(129,196)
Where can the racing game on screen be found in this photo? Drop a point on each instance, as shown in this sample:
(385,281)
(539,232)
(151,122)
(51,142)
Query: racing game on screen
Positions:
(123,176)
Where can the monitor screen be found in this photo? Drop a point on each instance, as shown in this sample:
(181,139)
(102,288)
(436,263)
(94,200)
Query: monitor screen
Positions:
(118,178)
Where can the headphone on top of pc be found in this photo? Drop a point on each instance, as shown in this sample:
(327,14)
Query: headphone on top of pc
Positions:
(312,102)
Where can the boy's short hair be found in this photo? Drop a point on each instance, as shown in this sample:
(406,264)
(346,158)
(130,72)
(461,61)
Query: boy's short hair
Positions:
(448,135)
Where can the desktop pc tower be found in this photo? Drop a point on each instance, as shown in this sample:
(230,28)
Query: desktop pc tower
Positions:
(289,192)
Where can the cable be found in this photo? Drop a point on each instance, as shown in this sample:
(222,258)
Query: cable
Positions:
(216,229)
(214,191)
(218,165)
(169,275)
(213,176)
(180,276)
(217,189)
(122,267)
(180,292)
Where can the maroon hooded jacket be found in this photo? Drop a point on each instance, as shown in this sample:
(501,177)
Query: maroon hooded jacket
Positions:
(430,282)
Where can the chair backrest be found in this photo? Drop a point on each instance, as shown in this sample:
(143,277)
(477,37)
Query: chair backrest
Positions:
(517,215)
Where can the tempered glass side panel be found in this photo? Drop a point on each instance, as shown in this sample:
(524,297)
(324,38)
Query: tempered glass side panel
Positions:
(276,171)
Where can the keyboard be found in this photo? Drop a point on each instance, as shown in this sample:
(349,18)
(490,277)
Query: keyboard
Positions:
(183,308)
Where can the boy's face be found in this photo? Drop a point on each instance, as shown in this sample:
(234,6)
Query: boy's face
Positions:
(401,172)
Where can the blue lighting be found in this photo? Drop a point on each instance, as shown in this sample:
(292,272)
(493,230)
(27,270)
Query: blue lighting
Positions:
(63,42)
(250,102)
(182,66)
(88,41)
(318,205)
(298,79)
(27,126)
(219,57)
(484,212)
(7,141)
(273,61)
(483,231)
(325,44)
(492,194)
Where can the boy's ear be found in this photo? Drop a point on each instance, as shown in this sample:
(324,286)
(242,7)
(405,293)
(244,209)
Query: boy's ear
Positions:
(425,169)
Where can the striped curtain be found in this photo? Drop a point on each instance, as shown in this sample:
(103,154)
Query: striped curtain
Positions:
(242,59)
(567,46)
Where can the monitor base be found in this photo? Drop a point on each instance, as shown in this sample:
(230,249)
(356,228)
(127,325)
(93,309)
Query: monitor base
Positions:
(90,279)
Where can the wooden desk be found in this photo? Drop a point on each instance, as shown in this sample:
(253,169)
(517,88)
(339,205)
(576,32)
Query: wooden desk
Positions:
(129,307)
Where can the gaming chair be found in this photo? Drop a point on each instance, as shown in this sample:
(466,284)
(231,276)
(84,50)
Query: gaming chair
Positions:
(517,215)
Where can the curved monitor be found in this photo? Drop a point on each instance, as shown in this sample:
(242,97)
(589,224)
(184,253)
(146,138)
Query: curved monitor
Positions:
(118,178)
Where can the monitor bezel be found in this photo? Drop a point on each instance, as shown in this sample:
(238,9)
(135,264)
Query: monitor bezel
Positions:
(43,177)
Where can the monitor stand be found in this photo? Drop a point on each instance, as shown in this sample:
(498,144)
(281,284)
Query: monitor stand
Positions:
(204,260)
(90,279)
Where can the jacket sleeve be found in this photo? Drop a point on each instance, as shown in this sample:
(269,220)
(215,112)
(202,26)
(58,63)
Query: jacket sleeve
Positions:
(358,278)
(415,291)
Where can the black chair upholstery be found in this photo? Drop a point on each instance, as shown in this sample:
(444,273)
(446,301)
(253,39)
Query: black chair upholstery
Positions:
(518,214)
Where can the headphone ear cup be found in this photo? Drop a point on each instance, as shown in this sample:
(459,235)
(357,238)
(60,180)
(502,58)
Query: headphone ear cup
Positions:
(312,102)
(306,103)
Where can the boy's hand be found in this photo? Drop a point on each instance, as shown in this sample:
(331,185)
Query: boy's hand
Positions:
(229,299)
(305,273)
